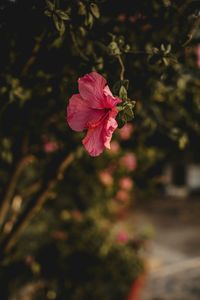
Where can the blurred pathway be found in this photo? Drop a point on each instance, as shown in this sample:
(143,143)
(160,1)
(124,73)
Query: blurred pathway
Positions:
(173,256)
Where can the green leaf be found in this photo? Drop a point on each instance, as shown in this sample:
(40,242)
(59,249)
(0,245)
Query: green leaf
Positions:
(63,15)
(59,24)
(129,112)
(81,9)
(50,5)
(120,120)
(183,141)
(169,48)
(89,20)
(48,13)
(125,83)
(7,156)
(126,114)
(154,59)
(155,50)
(82,31)
(62,27)
(95,10)
(6,143)
(123,93)
(118,84)
(165,60)
(116,87)
(162,47)
(113,49)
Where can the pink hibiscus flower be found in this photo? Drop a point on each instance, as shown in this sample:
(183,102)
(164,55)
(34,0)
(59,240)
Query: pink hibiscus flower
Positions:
(94,110)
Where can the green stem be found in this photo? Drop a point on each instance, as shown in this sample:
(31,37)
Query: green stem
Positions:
(73,37)
(122,67)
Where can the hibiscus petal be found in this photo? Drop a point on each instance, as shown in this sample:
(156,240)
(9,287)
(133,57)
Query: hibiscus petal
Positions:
(93,141)
(91,88)
(107,91)
(109,100)
(79,114)
(109,128)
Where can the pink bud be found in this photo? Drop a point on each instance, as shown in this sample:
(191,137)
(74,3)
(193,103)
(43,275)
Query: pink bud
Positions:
(106,178)
(114,147)
(126,183)
(122,17)
(122,236)
(122,196)
(50,146)
(129,161)
(126,131)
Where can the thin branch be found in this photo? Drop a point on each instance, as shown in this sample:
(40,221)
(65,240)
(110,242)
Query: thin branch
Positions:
(34,53)
(30,190)
(192,32)
(35,205)
(74,40)
(5,205)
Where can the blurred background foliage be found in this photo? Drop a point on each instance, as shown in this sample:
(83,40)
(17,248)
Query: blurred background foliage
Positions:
(79,244)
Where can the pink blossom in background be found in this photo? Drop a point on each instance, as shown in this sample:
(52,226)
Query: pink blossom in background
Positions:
(122,236)
(126,131)
(136,17)
(50,146)
(133,19)
(93,109)
(29,259)
(106,178)
(122,17)
(126,183)
(198,55)
(114,147)
(129,161)
(77,215)
(59,235)
(123,196)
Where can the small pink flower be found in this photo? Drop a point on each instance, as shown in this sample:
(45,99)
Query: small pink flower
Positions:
(94,110)
(77,215)
(198,55)
(50,146)
(29,259)
(129,161)
(59,235)
(114,147)
(106,178)
(126,131)
(122,17)
(122,196)
(133,19)
(126,183)
(122,236)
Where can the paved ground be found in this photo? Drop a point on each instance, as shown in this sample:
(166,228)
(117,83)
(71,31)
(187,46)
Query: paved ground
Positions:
(174,254)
